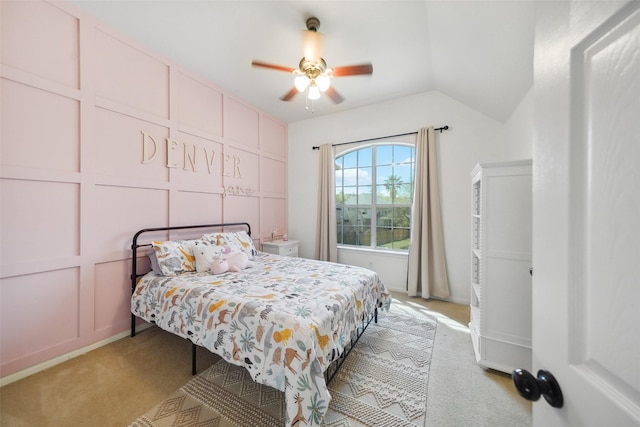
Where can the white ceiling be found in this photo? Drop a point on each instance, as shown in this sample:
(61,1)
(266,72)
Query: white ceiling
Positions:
(477,52)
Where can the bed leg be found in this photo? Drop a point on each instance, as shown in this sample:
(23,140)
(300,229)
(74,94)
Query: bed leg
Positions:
(375,314)
(133,326)
(193,359)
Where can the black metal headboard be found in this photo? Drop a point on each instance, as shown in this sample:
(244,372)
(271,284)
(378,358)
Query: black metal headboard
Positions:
(135,246)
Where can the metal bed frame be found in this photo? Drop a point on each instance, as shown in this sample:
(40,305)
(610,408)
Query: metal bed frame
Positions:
(331,370)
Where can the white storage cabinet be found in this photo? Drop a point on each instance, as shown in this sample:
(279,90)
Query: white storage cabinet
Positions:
(501,215)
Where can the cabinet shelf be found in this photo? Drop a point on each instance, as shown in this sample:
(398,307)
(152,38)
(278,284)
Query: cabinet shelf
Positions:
(477,290)
(476,295)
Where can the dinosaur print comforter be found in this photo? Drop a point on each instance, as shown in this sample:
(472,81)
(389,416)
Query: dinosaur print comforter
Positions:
(284,320)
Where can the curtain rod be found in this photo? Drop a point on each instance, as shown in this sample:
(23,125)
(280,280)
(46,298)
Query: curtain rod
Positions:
(441,129)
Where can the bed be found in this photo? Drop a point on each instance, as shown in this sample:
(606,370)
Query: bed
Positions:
(289,321)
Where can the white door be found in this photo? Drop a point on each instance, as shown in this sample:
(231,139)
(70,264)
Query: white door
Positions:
(586,219)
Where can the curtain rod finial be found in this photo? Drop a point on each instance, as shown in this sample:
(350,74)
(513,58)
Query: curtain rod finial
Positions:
(315,148)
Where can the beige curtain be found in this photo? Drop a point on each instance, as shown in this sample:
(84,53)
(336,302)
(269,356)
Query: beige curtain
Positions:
(326,233)
(427,267)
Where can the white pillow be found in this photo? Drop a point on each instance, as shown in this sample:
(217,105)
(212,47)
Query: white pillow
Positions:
(205,252)
(237,241)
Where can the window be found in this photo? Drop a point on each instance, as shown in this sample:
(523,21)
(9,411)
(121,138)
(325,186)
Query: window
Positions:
(374,191)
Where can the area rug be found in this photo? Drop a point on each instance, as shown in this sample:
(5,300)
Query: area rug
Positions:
(383,382)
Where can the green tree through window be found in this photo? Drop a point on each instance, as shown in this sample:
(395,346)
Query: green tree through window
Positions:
(374,191)
(392,183)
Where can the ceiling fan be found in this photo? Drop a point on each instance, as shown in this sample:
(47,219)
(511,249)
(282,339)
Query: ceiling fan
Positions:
(312,74)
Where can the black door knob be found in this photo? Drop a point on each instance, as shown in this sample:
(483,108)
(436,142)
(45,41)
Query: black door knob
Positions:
(531,388)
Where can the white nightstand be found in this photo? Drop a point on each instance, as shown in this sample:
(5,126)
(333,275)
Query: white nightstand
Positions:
(281,247)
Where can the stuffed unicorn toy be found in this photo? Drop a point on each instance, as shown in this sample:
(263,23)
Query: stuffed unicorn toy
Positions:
(234,262)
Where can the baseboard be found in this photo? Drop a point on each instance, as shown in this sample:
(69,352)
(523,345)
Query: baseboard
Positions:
(65,357)
(463,301)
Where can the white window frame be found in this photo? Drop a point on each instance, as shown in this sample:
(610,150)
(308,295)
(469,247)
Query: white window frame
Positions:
(408,140)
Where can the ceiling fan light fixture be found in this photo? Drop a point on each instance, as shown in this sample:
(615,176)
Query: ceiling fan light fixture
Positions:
(323,82)
(314,92)
(301,82)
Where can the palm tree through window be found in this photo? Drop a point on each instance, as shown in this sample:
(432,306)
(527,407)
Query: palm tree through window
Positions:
(374,190)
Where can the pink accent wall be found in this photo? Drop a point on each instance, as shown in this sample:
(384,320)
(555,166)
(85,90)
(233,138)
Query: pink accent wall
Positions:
(76,99)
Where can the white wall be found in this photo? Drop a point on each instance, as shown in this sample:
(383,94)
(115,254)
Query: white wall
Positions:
(472,138)
(518,130)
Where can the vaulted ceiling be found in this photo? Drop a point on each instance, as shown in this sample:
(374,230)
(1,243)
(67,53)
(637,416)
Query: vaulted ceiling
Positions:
(477,52)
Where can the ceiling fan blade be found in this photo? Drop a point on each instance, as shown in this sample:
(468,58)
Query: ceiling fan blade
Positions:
(335,96)
(289,95)
(352,70)
(272,66)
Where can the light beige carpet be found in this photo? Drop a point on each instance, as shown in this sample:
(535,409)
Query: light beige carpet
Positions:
(383,382)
